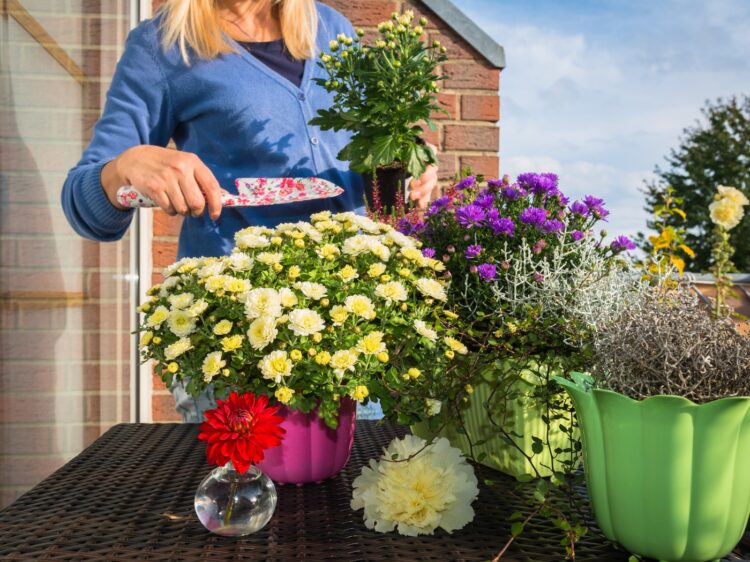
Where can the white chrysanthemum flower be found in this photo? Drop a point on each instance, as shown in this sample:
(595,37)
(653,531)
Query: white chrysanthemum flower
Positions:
(433,489)
(726,213)
(184,265)
(456,346)
(431,288)
(391,291)
(344,217)
(212,364)
(342,361)
(371,344)
(263,302)
(347,274)
(262,332)
(338,314)
(366,224)
(288,298)
(159,315)
(733,194)
(167,285)
(181,300)
(251,240)
(376,270)
(176,349)
(414,255)
(240,261)
(321,216)
(314,291)
(275,366)
(425,331)
(211,269)
(399,239)
(305,322)
(433,406)
(270,258)
(181,323)
(360,305)
(365,243)
(198,308)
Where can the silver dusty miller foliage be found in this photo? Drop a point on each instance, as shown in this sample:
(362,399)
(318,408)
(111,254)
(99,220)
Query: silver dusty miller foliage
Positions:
(668,342)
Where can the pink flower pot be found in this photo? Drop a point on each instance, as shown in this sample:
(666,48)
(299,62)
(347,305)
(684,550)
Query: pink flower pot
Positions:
(311,451)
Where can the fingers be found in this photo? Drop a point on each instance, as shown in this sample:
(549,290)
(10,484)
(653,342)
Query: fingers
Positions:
(177,199)
(210,188)
(193,195)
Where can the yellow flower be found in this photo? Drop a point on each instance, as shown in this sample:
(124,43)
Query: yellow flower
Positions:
(321,216)
(275,366)
(145,307)
(305,322)
(726,213)
(317,338)
(222,328)
(383,357)
(293,272)
(212,364)
(181,323)
(456,345)
(146,338)
(360,393)
(425,331)
(277,267)
(284,394)
(314,291)
(431,288)
(159,315)
(393,291)
(361,306)
(262,332)
(312,352)
(324,303)
(173,367)
(328,250)
(226,372)
(157,340)
(299,243)
(414,373)
(247,239)
(339,315)
(295,355)
(371,344)
(269,258)
(323,358)
(376,270)
(347,273)
(234,285)
(240,261)
(450,354)
(343,360)
(198,308)
(215,283)
(413,254)
(733,194)
(469,389)
(183,300)
(277,240)
(231,343)
(433,406)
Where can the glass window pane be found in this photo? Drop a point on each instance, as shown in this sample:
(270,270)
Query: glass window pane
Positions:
(65,303)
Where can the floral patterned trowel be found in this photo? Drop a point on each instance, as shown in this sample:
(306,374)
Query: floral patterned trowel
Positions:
(253,192)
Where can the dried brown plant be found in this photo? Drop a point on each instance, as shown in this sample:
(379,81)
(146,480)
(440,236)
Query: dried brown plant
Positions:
(668,342)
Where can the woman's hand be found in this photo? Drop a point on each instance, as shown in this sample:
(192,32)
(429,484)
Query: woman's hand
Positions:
(420,189)
(176,181)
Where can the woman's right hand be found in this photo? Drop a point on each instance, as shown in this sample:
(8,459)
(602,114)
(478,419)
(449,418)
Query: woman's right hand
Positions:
(178,182)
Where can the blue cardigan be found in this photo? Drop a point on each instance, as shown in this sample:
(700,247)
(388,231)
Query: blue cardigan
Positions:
(240,117)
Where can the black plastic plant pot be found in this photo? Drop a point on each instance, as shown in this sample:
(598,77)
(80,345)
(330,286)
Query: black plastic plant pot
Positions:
(390,186)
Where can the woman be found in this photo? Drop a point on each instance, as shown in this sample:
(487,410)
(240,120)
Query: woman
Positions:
(231,82)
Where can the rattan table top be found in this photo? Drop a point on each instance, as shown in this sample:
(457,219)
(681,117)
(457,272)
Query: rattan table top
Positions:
(129,497)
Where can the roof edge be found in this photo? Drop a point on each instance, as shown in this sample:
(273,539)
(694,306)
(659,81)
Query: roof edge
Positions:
(468,30)
(705,278)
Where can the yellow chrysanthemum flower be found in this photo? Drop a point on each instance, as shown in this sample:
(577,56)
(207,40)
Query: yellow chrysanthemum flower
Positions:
(431,288)
(212,364)
(146,338)
(284,394)
(414,373)
(376,270)
(343,360)
(275,366)
(159,315)
(222,328)
(173,367)
(183,300)
(231,343)
(383,357)
(181,323)
(347,274)
(262,332)
(361,306)
(360,392)
(393,291)
(339,315)
(456,345)
(726,213)
(371,344)
(295,355)
(305,322)
(288,298)
(269,258)
(294,272)
(323,358)
(421,327)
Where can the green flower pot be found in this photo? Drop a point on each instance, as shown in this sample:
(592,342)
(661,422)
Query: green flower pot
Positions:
(668,479)
(520,416)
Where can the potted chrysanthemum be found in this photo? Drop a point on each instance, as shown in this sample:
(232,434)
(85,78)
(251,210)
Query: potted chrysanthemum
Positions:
(383,92)
(318,316)
(530,277)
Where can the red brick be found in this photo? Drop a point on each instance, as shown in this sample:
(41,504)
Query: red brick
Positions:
(447,167)
(42,316)
(364,12)
(156,278)
(157,383)
(163,409)
(471,137)
(50,345)
(449,102)
(41,408)
(30,377)
(165,225)
(456,47)
(487,166)
(472,75)
(104,376)
(431,137)
(25,470)
(480,108)
(164,254)
(22,440)
(106,407)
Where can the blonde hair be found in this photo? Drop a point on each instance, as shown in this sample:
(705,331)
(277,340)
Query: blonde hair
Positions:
(196,24)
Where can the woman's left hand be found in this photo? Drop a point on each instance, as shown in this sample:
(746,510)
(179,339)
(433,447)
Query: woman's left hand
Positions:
(420,189)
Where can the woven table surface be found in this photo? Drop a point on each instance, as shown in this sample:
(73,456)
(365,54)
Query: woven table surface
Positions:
(129,497)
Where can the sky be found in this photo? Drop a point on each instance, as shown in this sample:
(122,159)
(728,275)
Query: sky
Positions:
(599,91)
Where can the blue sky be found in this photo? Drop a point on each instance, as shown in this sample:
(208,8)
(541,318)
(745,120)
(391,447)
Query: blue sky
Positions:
(598,91)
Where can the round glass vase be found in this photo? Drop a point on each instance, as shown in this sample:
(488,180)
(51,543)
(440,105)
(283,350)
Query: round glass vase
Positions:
(232,504)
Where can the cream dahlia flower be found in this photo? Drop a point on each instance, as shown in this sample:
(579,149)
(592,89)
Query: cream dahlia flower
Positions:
(726,213)
(434,488)
(733,194)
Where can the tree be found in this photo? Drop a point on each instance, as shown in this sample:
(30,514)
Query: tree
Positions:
(716,151)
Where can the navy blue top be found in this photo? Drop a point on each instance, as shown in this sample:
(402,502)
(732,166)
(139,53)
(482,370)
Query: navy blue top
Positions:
(275,56)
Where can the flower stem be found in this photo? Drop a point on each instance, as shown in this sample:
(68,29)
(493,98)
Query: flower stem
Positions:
(232,493)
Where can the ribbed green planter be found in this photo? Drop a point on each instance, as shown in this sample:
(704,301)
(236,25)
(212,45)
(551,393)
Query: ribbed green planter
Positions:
(668,479)
(520,416)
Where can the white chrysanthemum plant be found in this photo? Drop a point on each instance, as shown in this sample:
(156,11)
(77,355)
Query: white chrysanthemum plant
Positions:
(416,488)
(308,313)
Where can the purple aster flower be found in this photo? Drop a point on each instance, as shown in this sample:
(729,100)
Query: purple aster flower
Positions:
(496,183)
(576,235)
(513,192)
(538,277)
(487,271)
(502,226)
(428,252)
(465,183)
(473,251)
(485,199)
(539,184)
(438,205)
(533,216)
(404,226)
(553,226)
(470,215)
(622,243)
(596,206)
(579,208)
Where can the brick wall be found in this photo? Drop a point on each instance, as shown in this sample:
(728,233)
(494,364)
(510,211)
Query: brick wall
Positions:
(65,316)
(468,136)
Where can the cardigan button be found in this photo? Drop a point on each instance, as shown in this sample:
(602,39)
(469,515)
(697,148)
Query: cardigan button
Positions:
(301,96)
(314,140)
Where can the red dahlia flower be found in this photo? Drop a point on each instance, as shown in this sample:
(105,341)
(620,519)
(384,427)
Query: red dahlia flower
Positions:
(239,429)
